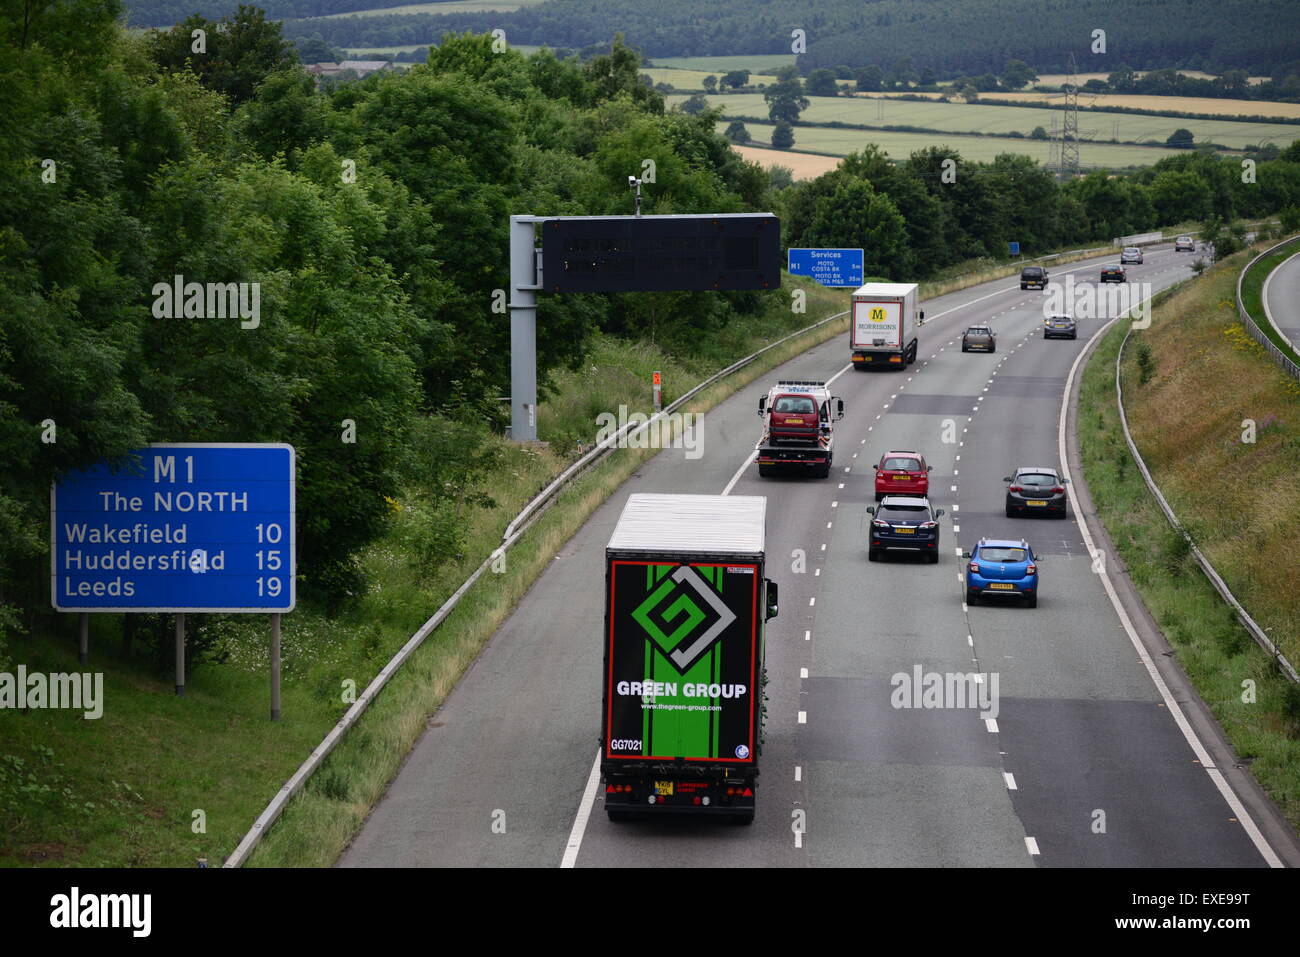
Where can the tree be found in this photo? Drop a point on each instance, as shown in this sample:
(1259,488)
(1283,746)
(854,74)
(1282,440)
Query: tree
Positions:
(822,83)
(868,79)
(1123,80)
(1038,133)
(737,133)
(313,49)
(1017,74)
(927,78)
(785,97)
(780,177)
(695,104)
(782,136)
(241,51)
(735,78)
(710,84)
(1181,139)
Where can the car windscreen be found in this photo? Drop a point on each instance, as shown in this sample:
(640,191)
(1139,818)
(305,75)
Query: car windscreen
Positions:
(979,331)
(1065,319)
(795,405)
(902,465)
(1002,554)
(903,513)
(1032,271)
(1036,479)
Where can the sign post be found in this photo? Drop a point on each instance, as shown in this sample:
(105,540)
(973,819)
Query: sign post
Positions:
(190,527)
(659,396)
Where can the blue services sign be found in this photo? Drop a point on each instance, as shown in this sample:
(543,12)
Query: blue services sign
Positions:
(1013,249)
(830,267)
(198,527)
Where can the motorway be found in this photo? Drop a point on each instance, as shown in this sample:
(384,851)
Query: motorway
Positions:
(1282,299)
(1088,761)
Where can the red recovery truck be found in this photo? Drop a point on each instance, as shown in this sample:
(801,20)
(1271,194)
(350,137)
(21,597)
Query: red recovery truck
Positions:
(798,422)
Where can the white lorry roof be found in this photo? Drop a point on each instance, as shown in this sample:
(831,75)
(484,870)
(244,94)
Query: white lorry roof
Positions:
(899,289)
(696,524)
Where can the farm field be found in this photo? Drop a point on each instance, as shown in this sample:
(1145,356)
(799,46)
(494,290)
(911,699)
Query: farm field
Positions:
(452,6)
(840,142)
(718,65)
(1055,79)
(694,79)
(1178,104)
(801,165)
(361,53)
(977,118)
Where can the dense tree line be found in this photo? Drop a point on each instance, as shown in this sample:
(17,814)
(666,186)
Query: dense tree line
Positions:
(373,215)
(961,37)
(917,217)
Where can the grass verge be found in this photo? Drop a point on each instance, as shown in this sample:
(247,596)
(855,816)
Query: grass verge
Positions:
(1252,297)
(1191,437)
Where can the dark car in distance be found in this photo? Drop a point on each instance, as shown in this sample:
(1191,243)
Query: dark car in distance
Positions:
(1035,276)
(979,338)
(904,522)
(1035,489)
(1113,273)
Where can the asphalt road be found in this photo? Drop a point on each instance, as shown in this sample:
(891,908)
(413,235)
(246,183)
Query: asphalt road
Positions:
(1282,299)
(1086,762)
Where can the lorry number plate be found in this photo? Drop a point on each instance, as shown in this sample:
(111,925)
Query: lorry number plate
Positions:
(664,788)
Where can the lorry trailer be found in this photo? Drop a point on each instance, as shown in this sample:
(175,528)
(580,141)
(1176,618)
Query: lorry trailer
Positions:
(883,323)
(686,604)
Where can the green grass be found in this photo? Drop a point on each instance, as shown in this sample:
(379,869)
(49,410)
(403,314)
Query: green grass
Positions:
(841,142)
(718,65)
(1190,438)
(994,120)
(1252,292)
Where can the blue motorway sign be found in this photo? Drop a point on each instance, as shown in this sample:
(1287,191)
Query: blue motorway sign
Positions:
(1013,249)
(195,527)
(830,267)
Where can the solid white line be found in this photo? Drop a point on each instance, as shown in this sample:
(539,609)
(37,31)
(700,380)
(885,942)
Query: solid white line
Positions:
(1171,705)
(1010,779)
(749,460)
(992,724)
(584,812)
(838,374)
(1031,845)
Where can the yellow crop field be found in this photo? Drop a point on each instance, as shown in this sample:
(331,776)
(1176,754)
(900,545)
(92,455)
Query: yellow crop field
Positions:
(803,165)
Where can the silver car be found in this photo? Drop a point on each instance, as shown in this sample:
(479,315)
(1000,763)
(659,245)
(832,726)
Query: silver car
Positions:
(1131,254)
(1060,327)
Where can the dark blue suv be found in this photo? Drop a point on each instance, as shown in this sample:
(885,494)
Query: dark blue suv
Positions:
(1002,568)
(904,522)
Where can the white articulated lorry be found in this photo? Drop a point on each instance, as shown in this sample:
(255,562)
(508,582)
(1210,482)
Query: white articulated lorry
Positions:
(883,322)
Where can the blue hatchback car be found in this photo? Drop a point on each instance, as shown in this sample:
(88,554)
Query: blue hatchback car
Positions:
(1002,568)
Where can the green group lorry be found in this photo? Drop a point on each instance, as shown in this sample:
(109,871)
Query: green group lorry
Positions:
(686,602)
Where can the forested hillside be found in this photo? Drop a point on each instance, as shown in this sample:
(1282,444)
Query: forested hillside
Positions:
(953,38)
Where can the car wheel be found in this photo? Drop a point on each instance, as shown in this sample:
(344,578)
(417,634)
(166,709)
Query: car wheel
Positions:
(1031,601)
(873,555)
(963,348)
(934,556)
(764,471)
(973,598)
(1010,513)
(1023,286)
(993,348)
(823,472)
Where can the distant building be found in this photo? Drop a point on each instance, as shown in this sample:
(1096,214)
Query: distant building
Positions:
(362,68)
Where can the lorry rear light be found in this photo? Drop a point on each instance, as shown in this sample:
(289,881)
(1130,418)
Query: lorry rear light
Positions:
(695,800)
(749,793)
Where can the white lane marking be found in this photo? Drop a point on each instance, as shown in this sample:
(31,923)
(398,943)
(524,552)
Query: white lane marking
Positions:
(803,672)
(807,635)
(1010,779)
(956,528)
(829,524)
(803,717)
(992,725)
(817,573)
(842,484)
(836,504)
(749,460)
(970,640)
(956,507)
(1031,845)
(798,840)
(954,488)
(823,546)
(798,773)
(584,812)
(1175,710)
(813,600)
(838,374)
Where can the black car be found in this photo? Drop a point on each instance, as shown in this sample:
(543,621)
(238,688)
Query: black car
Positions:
(1060,327)
(1033,276)
(1113,273)
(904,522)
(1035,490)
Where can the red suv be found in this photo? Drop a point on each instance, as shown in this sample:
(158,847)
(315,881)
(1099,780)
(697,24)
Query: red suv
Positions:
(902,473)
